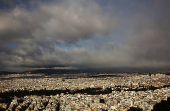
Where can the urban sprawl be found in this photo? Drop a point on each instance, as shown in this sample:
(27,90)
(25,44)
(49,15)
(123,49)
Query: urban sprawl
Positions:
(114,92)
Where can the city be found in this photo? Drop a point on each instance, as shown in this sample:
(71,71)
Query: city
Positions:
(124,91)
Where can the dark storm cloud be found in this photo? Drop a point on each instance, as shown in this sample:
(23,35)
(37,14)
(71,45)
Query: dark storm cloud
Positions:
(150,37)
(36,31)
(28,37)
(67,21)
(10,3)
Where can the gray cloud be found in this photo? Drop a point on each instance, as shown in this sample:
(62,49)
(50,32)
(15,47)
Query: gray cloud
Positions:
(149,39)
(108,56)
(9,2)
(66,21)
(34,34)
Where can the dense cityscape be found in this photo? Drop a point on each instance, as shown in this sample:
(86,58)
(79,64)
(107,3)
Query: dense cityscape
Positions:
(83,92)
(84,55)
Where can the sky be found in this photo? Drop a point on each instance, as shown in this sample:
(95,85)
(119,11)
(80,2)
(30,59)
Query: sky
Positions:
(84,34)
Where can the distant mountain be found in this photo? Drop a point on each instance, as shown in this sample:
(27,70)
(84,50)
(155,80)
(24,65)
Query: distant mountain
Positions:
(7,72)
(93,70)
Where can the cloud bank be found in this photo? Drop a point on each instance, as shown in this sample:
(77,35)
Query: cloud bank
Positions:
(33,37)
